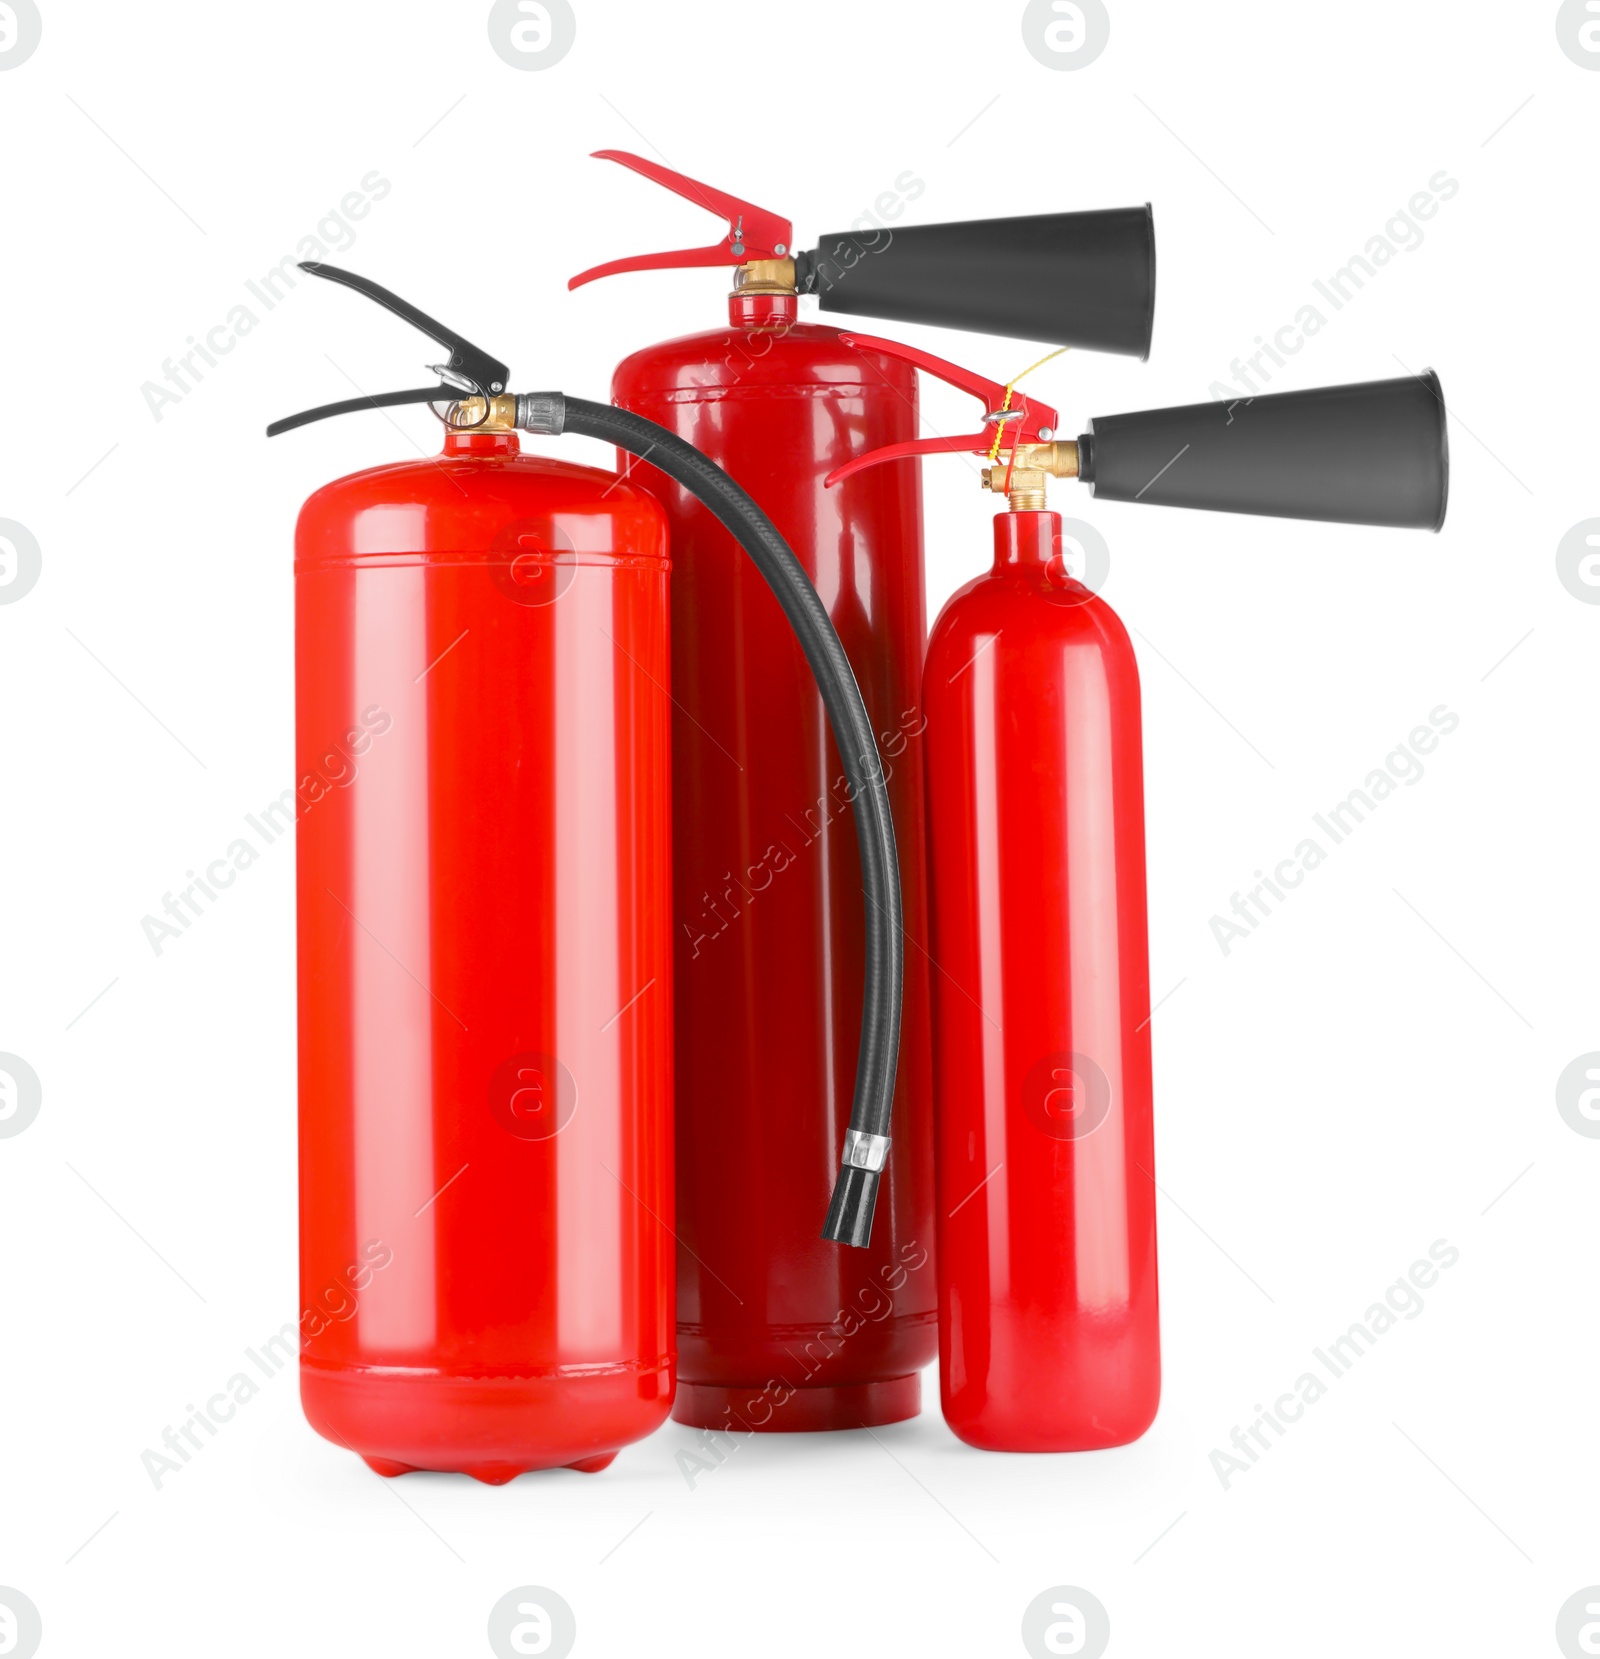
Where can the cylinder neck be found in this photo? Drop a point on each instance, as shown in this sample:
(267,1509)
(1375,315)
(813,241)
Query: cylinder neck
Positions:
(748,309)
(1025,540)
(480,443)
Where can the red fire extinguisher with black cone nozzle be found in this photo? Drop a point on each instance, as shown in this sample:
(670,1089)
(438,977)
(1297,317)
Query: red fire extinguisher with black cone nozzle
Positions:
(776,1330)
(484,910)
(1046,1186)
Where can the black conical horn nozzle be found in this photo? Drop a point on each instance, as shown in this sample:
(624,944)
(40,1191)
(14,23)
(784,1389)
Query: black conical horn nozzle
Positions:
(1371,453)
(1070,279)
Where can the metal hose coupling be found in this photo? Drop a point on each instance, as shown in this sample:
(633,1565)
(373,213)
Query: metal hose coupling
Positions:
(542,412)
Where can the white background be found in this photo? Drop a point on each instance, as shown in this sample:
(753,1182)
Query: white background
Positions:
(1368,1072)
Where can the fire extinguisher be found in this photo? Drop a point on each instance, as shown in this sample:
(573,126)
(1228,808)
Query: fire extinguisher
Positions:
(777,1332)
(485,974)
(1045,1154)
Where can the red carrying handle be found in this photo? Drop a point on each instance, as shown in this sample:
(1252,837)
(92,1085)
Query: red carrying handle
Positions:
(753,233)
(1025,420)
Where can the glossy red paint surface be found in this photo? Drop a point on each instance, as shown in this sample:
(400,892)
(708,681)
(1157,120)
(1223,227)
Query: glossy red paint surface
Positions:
(1046,1185)
(485,980)
(779,1330)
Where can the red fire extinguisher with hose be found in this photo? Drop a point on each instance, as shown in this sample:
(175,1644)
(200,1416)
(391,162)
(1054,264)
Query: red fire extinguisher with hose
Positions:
(776,1330)
(1046,1185)
(484,915)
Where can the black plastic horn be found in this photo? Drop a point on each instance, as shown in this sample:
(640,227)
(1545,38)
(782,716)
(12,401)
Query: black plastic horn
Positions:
(1071,279)
(1372,453)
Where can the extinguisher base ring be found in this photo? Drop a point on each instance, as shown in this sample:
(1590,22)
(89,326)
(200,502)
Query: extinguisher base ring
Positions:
(816,1408)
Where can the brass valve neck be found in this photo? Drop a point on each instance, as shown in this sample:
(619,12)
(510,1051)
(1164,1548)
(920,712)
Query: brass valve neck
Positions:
(765,276)
(1029,467)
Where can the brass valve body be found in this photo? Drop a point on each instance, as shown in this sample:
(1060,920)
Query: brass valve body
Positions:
(1029,466)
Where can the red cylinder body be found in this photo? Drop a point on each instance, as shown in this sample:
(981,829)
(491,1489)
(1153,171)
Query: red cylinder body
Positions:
(1046,1185)
(778,1329)
(485,981)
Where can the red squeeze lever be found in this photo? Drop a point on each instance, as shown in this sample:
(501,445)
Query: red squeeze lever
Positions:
(753,233)
(1026,420)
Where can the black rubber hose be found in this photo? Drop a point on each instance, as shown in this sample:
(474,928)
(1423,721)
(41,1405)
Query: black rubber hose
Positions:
(355,405)
(855,1192)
